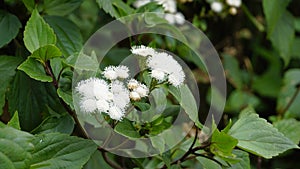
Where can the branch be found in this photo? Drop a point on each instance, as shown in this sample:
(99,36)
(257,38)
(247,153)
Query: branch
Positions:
(291,101)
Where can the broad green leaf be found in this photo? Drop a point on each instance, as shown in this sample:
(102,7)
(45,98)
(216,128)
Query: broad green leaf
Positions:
(244,161)
(96,161)
(207,163)
(296,48)
(280,24)
(35,70)
(259,137)
(158,143)
(29,4)
(239,99)
(187,101)
(60,7)
(233,72)
(126,129)
(8,65)
(45,53)
(54,150)
(53,124)
(116,8)
(14,121)
(15,147)
(290,81)
(290,128)
(28,97)
(37,32)
(9,27)
(66,96)
(83,62)
(69,39)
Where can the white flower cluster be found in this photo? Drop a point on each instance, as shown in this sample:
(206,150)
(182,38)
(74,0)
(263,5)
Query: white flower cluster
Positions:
(162,65)
(138,90)
(112,98)
(170,7)
(217,6)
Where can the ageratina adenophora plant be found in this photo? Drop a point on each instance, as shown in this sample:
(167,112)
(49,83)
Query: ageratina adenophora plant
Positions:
(50,114)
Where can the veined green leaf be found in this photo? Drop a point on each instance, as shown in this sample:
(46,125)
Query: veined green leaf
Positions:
(60,7)
(126,129)
(45,53)
(290,128)
(14,121)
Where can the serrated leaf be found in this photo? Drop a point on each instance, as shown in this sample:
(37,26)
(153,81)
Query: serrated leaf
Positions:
(8,65)
(207,163)
(33,94)
(62,124)
(37,32)
(9,27)
(60,7)
(96,161)
(66,96)
(290,128)
(115,7)
(259,137)
(15,147)
(56,150)
(14,121)
(45,53)
(244,161)
(69,39)
(280,24)
(290,81)
(126,129)
(35,70)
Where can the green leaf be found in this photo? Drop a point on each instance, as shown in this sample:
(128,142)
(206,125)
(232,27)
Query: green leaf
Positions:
(233,71)
(207,163)
(45,53)
(244,161)
(96,161)
(187,102)
(8,65)
(54,150)
(29,4)
(126,129)
(38,33)
(280,24)
(14,121)
(28,97)
(66,96)
(9,27)
(83,62)
(35,70)
(290,128)
(158,143)
(69,39)
(290,81)
(15,148)
(115,7)
(239,99)
(60,7)
(259,137)
(53,124)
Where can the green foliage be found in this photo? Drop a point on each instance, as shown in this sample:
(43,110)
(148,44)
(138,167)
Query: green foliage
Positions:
(9,27)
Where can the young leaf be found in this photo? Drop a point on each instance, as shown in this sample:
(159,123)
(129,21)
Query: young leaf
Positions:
(126,129)
(60,7)
(37,32)
(9,27)
(35,70)
(8,65)
(56,150)
(259,137)
(290,128)
(45,53)
(69,39)
(14,121)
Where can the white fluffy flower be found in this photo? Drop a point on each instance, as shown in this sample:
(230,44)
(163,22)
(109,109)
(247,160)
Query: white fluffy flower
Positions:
(158,74)
(142,90)
(88,105)
(115,113)
(110,73)
(179,17)
(143,50)
(140,3)
(168,5)
(122,71)
(121,94)
(132,84)
(216,6)
(235,3)
(102,105)
(166,63)
(135,96)
(94,88)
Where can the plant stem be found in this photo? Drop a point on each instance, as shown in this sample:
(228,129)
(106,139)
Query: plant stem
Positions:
(257,24)
(291,101)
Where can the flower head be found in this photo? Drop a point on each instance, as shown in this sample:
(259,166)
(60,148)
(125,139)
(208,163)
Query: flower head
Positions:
(158,74)
(135,96)
(115,113)
(234,3)
(132,84)
(143,50)
(110,73)
(122,71)
(93,88)
(88,105)
(142,90)
(216,6)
